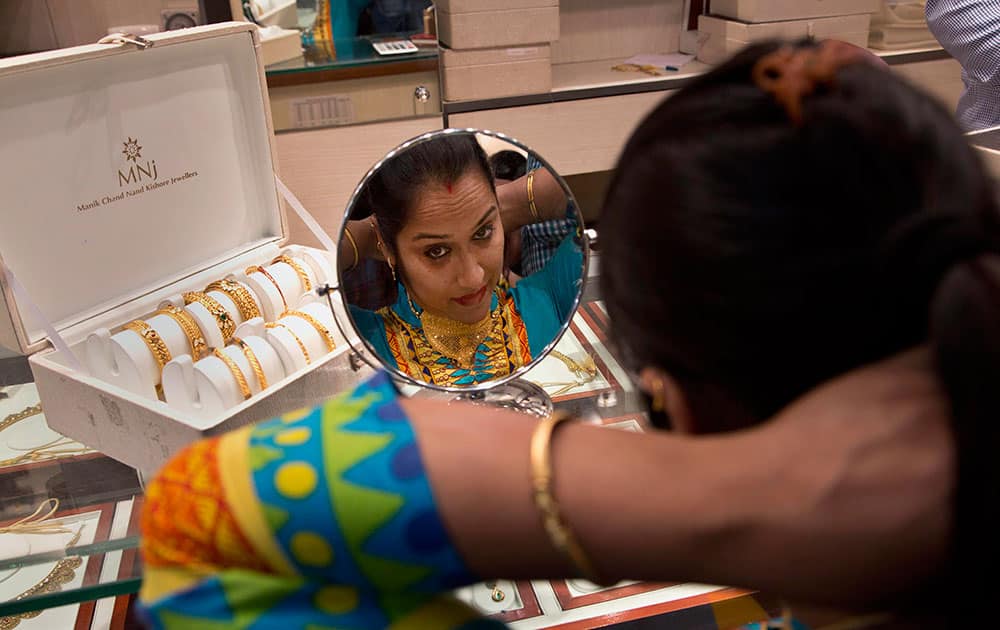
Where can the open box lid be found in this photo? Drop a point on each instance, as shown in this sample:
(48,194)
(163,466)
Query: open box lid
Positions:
(124,170)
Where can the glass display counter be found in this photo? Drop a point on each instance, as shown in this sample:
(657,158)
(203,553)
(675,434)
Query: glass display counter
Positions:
(355,58)
(69,518)
(358,85)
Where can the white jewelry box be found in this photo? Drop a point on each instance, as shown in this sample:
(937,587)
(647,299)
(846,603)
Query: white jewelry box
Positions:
(131,175)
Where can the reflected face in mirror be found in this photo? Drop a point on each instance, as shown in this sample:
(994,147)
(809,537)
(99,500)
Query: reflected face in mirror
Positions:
(450,250)
(461,259)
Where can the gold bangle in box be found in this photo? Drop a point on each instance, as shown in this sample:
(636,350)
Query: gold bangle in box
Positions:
(264,272)
(254,362)
(199,347)
(241,380)
(240,296)
(222,317)
(152,340)
(323,331)
(299,270)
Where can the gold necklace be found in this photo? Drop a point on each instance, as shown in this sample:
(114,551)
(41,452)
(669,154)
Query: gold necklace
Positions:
(454,339)
(24,414)
(60,575)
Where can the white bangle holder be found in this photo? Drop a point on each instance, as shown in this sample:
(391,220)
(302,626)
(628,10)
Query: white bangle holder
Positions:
(207,387)
(317,261)
(125,360)
(272,304)
(288,346)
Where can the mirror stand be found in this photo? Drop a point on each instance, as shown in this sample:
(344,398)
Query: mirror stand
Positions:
(517,395)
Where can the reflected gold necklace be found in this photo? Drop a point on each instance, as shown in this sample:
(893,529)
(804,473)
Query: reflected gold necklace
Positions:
(454,339)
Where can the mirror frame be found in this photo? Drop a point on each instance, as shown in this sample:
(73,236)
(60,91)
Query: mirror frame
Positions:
(374,361)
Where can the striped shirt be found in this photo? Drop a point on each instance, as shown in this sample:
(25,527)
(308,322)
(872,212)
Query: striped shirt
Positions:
(970,31)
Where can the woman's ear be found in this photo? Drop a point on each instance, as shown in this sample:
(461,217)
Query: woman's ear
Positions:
(668,397)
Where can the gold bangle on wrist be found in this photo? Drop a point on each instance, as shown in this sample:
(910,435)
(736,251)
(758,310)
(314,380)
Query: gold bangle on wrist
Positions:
(323,331)
(254,362)
(264,272)
(354,246)
(298,268)
(190,327)
(531,196)
(302,346)
(559,533)
(241,380)
(152,339)
(239,294)
(222,317)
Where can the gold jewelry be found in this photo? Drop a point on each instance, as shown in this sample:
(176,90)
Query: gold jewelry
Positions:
(240,295)
(457,340)
(381,248)
(24,414)
(299,270)
(659,396)
(50,450)
(254,362)
(560,535)
(323,331)
(241,380)
(222,317)
(190,327)
(495,593)
(585,371)
(354,246)
(38,521)
(258,269)
(291,332)
(152,340)
(61,574)
(531,196)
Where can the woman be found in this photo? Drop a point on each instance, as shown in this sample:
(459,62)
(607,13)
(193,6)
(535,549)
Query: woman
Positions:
(439,221)
(825,183)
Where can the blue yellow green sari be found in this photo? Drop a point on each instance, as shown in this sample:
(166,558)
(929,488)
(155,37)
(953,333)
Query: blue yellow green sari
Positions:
(320,519)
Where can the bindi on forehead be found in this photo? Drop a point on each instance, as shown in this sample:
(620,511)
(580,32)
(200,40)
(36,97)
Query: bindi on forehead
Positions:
(448,187)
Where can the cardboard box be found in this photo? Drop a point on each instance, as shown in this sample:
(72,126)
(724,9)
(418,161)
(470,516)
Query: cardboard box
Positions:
(465,24)
(719,39)
(780,10)
(496,72)
(135,175)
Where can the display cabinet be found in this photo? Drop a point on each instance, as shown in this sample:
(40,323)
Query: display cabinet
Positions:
(84,537)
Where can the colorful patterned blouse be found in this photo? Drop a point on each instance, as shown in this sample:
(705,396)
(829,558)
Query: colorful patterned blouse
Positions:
(317,520)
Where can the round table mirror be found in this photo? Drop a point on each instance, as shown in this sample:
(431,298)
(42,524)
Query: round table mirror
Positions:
(461,261)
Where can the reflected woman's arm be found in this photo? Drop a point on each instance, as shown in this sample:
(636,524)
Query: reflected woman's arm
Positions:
(364,240)
(550,200)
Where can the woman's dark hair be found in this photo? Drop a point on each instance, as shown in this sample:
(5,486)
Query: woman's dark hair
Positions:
(508,165)
(752,258)
(395,187)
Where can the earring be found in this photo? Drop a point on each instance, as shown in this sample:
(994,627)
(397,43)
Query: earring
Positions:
(659,396)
